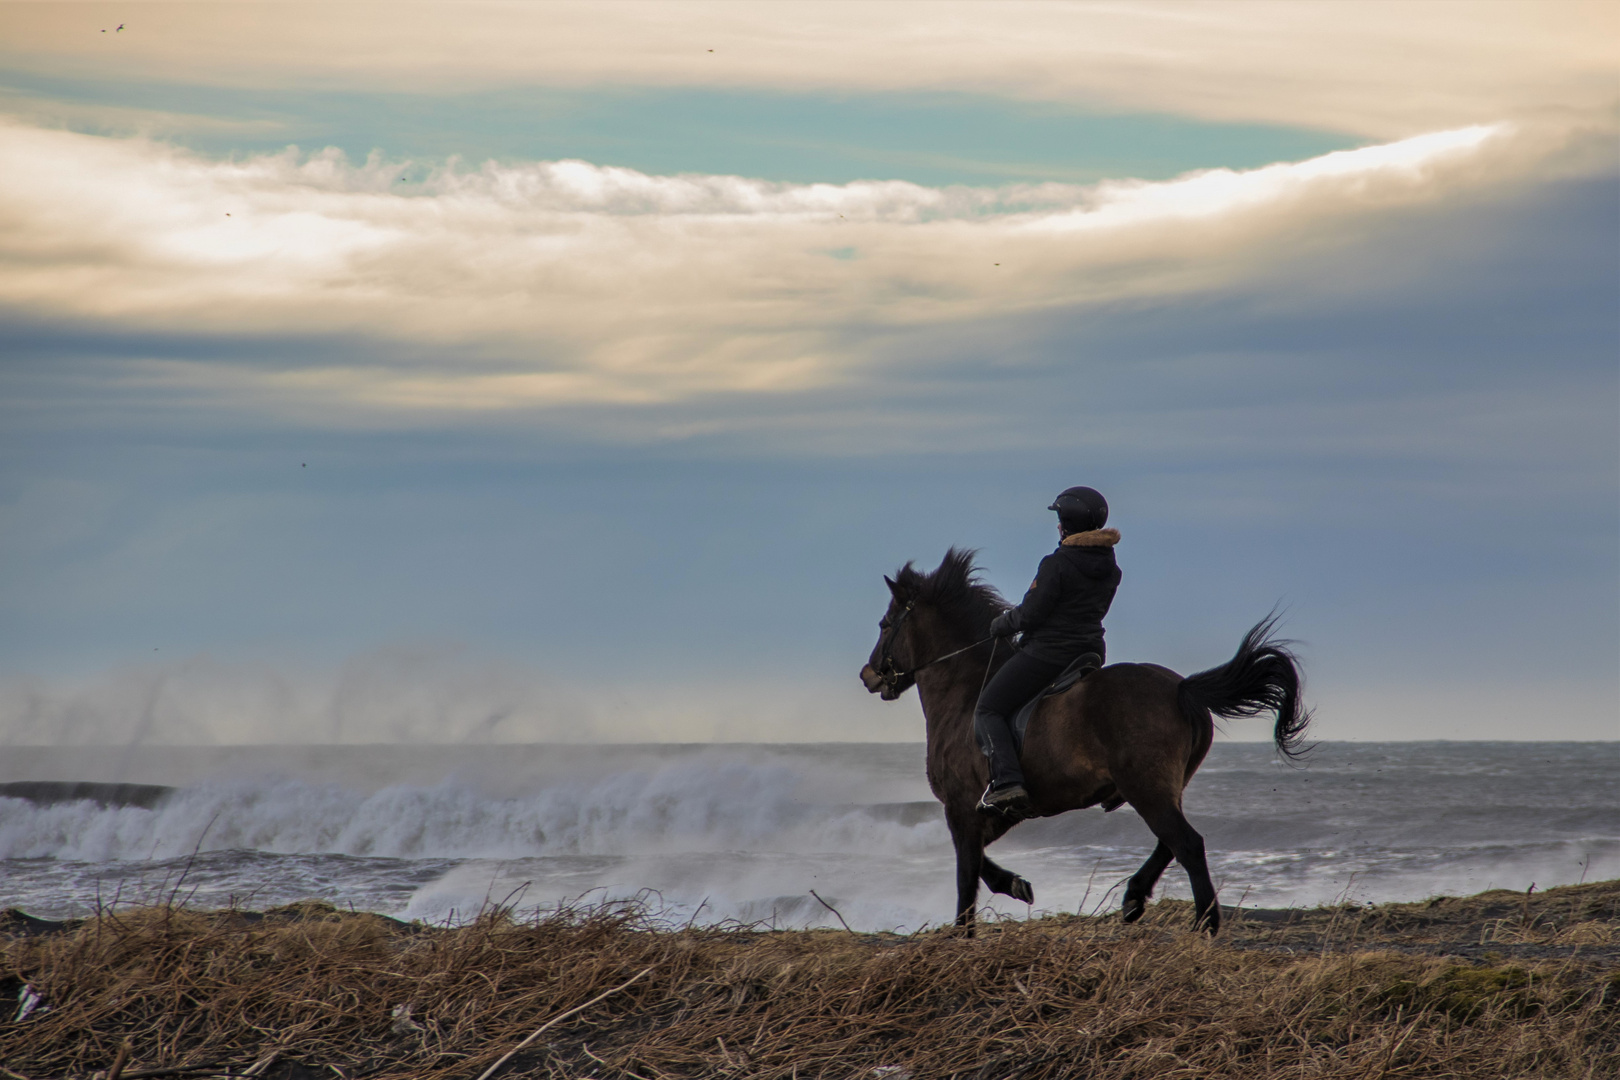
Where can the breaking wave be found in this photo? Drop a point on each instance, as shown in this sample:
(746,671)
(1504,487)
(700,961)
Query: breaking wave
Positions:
(748,832)
(707,806)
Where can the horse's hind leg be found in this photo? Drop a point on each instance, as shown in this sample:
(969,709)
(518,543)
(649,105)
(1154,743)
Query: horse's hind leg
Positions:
(1141,884)
(1168,823)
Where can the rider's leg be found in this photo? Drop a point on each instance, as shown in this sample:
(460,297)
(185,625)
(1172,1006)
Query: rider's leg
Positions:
(1019,679)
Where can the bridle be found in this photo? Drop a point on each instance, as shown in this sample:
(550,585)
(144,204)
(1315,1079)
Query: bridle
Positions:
(889,673)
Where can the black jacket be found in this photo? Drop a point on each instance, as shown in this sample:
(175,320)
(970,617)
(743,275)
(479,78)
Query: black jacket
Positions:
(1061,614)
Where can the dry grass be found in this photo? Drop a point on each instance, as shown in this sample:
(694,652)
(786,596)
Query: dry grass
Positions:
(1363,993)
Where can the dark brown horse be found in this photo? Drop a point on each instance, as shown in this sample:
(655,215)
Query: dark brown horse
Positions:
(1129,733)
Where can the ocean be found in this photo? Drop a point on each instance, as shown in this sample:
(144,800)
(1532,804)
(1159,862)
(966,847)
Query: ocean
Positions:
(746,832)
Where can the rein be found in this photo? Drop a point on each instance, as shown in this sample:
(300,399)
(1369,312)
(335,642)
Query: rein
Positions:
(891,674)
(948,655)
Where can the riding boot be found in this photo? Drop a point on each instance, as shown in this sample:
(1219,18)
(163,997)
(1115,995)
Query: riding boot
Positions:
(995,740)
(1006,794)
(1019,680)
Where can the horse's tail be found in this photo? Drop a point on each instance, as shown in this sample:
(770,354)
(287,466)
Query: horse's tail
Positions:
(1262,677)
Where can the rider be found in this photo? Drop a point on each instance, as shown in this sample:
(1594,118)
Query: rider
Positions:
(1061,620)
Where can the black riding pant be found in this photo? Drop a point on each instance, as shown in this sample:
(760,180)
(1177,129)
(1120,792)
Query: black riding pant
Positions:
(1009,690)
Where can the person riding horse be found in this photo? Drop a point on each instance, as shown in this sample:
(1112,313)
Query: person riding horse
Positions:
(1061,622)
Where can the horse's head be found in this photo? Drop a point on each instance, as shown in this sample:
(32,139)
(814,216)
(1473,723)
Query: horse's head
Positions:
(888,671)
(928,616)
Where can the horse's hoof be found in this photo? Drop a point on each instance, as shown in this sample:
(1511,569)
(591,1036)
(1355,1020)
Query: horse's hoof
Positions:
(1020,889)
(1134,908)
(1209,922)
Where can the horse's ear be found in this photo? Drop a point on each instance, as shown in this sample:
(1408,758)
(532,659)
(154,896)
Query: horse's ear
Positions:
(894,590)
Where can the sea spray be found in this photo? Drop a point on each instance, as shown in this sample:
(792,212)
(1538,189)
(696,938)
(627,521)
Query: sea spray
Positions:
(731,806)
(745,832)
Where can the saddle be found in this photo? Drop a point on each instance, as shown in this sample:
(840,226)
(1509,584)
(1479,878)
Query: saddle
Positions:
(1083,665)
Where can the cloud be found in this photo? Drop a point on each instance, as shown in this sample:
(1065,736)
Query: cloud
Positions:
(424,694)
(1382,70)
(1520,707)
(1339,434)
(444,695)
(560,283)
(44,111)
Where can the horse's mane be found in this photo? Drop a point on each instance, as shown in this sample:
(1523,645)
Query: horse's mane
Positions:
(955,590)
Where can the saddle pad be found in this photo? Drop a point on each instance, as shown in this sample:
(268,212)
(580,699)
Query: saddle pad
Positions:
(1083,665)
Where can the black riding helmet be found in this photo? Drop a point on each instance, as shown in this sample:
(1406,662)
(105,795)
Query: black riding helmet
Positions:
(1081,509)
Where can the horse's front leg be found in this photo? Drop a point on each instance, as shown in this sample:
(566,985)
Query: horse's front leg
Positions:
(996,877)
(1001,880)
(968,837)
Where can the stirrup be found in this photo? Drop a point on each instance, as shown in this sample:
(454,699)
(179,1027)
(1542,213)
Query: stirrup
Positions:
(1011,801)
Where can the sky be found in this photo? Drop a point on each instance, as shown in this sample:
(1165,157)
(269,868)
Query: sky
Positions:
(523,372)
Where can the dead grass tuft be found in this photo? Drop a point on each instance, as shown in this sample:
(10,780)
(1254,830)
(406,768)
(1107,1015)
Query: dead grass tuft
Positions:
(362,996)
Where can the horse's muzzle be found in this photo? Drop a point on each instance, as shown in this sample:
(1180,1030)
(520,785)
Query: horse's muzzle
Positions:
(887,689)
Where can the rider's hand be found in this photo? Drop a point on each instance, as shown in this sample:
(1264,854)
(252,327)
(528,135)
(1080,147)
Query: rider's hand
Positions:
(1001,625)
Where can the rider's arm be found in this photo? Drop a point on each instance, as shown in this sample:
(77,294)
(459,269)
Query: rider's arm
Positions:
(1041,599)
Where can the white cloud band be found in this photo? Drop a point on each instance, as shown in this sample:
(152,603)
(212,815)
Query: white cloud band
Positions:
(562,282)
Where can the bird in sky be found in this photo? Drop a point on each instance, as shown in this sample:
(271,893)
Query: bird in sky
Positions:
(120,28)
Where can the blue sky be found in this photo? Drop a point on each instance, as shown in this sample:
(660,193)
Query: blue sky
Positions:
(934,138)
(435,438)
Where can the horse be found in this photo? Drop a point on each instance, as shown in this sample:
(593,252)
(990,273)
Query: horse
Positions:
(1127,733)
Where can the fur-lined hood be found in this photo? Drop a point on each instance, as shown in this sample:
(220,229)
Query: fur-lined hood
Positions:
(1094,538)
